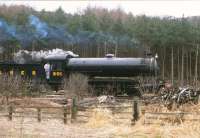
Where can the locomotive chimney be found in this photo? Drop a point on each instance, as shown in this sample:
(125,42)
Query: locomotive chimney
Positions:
(109,55)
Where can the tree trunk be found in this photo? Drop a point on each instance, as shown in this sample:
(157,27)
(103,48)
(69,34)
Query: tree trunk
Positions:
(182,67)
(196,66)
(190,68)
(178,66)
(172,71)
(116,48)
(163,65)
(187,66)
(98,51)
(105,48)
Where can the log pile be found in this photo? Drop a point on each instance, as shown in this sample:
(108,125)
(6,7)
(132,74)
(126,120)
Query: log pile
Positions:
(179,95)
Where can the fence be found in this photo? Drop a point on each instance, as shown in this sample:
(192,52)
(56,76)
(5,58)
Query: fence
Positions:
(73,112)
(66,113)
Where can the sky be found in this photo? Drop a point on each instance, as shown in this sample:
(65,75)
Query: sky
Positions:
(137,7)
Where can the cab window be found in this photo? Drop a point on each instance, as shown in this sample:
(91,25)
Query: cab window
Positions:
(56,66)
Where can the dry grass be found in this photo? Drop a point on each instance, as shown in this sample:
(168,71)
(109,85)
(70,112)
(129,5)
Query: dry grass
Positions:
(124,129)
(103,124)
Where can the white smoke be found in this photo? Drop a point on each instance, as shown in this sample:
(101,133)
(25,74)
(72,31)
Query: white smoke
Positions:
(24,56)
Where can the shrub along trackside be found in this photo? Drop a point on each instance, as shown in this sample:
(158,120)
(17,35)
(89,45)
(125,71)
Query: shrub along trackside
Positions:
(15,86)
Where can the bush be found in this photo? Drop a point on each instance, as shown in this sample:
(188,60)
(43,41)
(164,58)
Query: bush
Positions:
(13,86)
(76,86)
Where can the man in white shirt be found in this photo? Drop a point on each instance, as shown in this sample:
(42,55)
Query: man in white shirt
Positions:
(47,69)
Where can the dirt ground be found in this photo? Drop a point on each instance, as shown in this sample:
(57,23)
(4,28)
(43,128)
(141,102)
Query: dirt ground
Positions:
(102,123)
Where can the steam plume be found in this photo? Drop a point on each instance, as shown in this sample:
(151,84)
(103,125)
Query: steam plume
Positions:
(24,56)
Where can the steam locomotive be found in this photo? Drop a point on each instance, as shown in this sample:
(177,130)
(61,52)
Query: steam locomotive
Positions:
(102,72)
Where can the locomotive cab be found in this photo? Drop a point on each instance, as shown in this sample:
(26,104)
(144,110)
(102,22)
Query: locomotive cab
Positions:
(55,72)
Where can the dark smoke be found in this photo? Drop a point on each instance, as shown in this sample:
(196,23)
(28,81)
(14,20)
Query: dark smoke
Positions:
(9,29)
(41,28)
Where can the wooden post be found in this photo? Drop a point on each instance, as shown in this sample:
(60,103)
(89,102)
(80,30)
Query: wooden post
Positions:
(39,114)
(65,114)
(10,110)
(73,109)
(135,110)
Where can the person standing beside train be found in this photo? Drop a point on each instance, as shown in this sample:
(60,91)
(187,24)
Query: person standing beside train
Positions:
(47,69)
